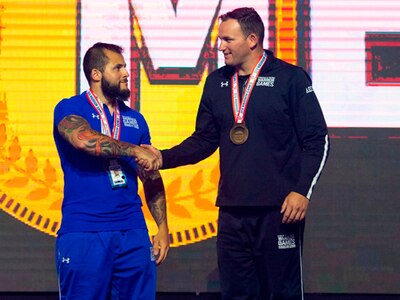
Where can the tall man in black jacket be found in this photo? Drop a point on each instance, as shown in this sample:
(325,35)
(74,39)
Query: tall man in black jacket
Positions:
(265,118)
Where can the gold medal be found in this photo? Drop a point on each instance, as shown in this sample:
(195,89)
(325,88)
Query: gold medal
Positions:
(239,134)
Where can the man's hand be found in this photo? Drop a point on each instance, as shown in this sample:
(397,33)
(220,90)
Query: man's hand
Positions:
(147,159)
(294,208)
(154,151)
(161,243)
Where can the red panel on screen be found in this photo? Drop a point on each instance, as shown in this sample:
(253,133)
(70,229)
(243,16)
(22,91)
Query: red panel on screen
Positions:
(382,64)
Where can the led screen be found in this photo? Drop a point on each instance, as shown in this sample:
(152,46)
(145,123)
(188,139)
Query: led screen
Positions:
(351,51)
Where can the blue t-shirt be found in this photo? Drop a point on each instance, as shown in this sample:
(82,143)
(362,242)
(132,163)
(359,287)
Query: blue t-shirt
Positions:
(90,202)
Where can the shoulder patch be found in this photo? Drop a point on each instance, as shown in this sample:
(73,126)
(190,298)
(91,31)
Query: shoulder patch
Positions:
(130,122)
(309,89)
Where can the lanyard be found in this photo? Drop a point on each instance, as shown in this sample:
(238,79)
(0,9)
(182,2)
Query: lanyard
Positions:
(239,106)
(105,127)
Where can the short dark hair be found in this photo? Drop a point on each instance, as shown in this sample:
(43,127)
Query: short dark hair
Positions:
(96,58)
(249,21)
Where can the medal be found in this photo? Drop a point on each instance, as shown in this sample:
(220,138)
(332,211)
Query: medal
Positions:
(239,134)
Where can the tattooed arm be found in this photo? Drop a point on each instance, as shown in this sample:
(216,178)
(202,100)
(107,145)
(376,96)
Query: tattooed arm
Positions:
(156,202)
(77,131)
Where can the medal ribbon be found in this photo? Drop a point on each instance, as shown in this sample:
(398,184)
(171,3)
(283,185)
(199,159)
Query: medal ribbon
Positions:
(105,127)
(236,101)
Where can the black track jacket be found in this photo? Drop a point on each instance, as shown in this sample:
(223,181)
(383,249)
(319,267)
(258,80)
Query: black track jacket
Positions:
(288,139)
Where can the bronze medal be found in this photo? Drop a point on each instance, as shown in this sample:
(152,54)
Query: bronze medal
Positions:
(239,134)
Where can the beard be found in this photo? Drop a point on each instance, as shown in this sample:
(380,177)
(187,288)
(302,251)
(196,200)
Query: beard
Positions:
(113,91)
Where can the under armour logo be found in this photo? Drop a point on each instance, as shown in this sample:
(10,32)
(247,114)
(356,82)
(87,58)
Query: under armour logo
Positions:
(65,260)
(95,116)
(224,83)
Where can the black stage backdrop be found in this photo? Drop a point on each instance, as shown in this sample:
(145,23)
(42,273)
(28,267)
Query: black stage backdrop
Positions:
(352,231)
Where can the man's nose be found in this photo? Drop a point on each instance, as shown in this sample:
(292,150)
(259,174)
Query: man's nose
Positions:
(221,46)
(125,72)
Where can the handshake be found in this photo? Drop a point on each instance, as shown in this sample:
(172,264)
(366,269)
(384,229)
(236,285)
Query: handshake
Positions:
(148,157)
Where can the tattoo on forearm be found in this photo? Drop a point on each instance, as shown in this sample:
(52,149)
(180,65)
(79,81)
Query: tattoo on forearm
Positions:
(157,207)
(77,131)
(155,194)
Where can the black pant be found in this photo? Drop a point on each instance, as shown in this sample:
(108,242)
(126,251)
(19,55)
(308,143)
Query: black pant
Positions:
(259,258)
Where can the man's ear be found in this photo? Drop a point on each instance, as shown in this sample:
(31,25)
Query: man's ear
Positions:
(96,75)
(252,40)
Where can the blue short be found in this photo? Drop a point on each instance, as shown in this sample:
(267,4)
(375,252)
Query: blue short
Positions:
(106,265)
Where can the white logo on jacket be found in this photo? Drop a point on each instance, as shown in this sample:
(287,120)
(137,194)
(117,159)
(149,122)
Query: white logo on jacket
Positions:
(266,81)
(226,83)
(309,89)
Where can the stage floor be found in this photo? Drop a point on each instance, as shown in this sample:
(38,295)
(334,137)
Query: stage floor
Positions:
(205,296)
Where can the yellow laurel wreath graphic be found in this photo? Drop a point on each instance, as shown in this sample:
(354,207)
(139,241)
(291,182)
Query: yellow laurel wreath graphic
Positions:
(197,196)
(27,171)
